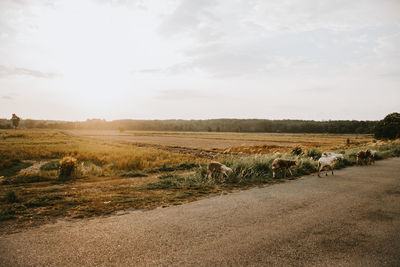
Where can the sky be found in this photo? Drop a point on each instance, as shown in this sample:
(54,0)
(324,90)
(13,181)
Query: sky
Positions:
(199,59)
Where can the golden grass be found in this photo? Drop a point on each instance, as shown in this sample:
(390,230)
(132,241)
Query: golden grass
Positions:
(272,137)
(51,144)
(265,142)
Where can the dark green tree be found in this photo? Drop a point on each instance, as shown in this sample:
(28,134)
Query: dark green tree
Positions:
(389,127)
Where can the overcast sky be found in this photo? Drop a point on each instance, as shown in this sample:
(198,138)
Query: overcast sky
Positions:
(199,59)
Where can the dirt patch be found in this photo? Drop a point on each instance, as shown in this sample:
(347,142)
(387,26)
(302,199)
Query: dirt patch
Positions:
(35,168)
(379,216)
(395,192)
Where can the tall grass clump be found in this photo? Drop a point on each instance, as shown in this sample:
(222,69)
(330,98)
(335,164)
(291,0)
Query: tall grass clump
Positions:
(305,166)
(250,169)
(67,168)
(314,153)
(297,150)
(180,181)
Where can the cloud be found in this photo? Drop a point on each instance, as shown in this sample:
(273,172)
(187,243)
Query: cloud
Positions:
(178,94)
(6,97)
(128,3)
(231,38)
(193,16)
(6,71)
(149,71)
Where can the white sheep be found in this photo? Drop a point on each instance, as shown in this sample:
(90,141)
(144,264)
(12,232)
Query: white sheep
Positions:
(328,159)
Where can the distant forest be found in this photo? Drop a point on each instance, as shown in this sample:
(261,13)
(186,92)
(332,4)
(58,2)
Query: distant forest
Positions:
(213,125)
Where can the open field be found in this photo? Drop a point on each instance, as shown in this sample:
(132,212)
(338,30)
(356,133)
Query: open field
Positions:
(116,172)
(249,143)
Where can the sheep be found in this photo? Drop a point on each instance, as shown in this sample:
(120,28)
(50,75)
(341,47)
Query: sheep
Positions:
(372,157)
(277,154)
(282,164)
(363,157)
(215,167)
(328,159)
(329,154)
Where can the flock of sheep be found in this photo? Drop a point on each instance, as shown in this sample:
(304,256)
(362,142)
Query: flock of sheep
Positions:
(327,160)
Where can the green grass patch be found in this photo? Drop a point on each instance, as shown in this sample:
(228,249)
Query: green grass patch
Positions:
(10,167)
(180,167)
(50,166)
(173,182)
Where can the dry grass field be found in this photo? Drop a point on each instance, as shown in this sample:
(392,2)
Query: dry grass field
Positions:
(135,170)
(232,143)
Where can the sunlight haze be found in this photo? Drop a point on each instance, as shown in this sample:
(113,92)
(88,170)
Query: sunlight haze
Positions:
(199,59)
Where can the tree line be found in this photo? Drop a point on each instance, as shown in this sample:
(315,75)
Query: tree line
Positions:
(212,125)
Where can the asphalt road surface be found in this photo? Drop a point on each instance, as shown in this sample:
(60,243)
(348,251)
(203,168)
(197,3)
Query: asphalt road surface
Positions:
(349,219)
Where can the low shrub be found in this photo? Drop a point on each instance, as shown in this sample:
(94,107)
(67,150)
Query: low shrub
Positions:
(67,168)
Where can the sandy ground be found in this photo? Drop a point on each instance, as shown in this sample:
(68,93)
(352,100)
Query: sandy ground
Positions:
(350,219)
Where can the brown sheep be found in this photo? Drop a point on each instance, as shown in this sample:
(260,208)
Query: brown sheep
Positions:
(363,157)
(282,164)
(219,169)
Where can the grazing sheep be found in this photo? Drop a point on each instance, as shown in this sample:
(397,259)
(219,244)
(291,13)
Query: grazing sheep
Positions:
(282,164)
(328,159)
(215,167)
(329,154)
(372,157)
(363,157)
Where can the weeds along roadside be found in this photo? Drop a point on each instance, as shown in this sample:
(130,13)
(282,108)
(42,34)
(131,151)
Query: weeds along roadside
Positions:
(254,170)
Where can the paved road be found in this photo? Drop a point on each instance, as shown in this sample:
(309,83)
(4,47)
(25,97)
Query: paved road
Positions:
(350,219)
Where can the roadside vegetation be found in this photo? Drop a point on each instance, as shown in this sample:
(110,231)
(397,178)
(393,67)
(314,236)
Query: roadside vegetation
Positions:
(73,177)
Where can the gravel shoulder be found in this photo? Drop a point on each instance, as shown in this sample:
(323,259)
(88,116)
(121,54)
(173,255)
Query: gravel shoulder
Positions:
(351,218)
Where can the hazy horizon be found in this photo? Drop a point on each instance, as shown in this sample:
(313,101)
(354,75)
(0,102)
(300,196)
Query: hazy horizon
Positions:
(135,119)
(72,60)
